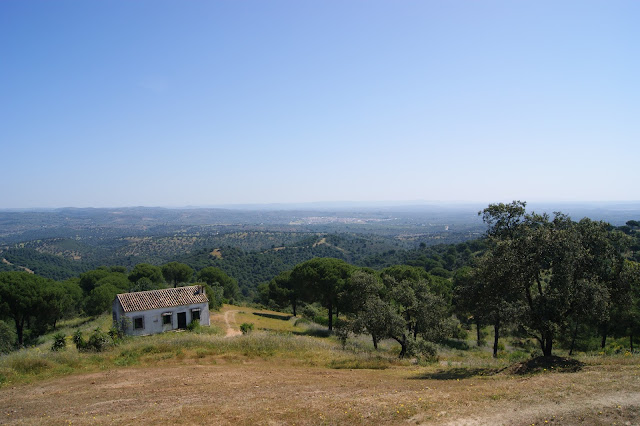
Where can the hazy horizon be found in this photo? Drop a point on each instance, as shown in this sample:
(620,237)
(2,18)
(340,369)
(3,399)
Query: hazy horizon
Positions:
(160,103)
(342,205)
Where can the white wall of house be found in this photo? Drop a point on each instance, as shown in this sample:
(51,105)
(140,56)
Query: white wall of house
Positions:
(152,320)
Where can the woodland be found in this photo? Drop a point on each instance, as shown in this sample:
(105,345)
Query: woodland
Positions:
(546,281)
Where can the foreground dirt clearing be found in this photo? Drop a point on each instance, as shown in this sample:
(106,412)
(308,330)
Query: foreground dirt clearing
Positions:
(263,393)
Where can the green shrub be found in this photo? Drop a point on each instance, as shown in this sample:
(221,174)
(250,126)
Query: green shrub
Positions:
(59,342)
(194,326)
(98,341)
(309,312)
(614,347)
(423,350)
(319,319)
(116,334)
(78,340)
(246,327)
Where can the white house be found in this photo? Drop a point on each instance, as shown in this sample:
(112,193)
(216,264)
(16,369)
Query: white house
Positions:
(155,311)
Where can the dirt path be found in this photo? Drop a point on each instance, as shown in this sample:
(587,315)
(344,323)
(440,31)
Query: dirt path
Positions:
(6,262)
(232,327)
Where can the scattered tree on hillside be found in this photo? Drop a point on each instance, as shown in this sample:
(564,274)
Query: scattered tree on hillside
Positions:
(324,280)
(29,300)
(217,277)
(549,265)
(145,270)
(177,273)
(371,313)
(100,299)
(283,291)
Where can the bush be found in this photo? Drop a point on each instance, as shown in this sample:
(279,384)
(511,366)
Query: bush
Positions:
(78,340)
(423,350)
(246,327)
(194,326)
(98,341)
(59,342)
(308,312)
(322,320)
(116,334)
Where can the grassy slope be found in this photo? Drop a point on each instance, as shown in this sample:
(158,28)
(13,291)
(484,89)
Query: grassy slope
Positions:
(281,372)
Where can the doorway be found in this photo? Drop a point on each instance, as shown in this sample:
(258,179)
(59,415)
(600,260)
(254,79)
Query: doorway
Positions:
(182,320)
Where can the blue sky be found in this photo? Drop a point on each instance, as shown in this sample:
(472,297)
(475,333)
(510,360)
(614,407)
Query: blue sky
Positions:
(176,103)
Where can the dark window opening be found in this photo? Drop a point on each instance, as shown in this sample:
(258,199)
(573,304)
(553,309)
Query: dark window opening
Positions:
(138,323)
(195,314)
(166,319)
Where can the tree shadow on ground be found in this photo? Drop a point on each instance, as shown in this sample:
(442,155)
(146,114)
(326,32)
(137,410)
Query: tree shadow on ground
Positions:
(284,317)
(314,332)
(547,363)
(458,373)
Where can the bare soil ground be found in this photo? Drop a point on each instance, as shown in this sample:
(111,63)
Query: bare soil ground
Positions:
(227,391)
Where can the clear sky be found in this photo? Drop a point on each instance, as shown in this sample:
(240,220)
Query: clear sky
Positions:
(176,103)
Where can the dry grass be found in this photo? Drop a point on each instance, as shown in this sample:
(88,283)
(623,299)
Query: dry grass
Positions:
(283,376)
(262,392)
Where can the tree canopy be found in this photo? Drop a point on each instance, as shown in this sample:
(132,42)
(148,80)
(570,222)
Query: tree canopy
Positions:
(177,273)
(546,271)
(217,277)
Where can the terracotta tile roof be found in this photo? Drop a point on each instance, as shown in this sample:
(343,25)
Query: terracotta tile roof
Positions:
(157,299)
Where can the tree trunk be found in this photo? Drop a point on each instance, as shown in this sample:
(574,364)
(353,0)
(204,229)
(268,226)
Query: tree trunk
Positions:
(496,336)
(403,345)
(293,305)
(546,343)
(19,332)
(375,342)
(478,333)
(605,330)
(573,339)
(330,316)
(631,340)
